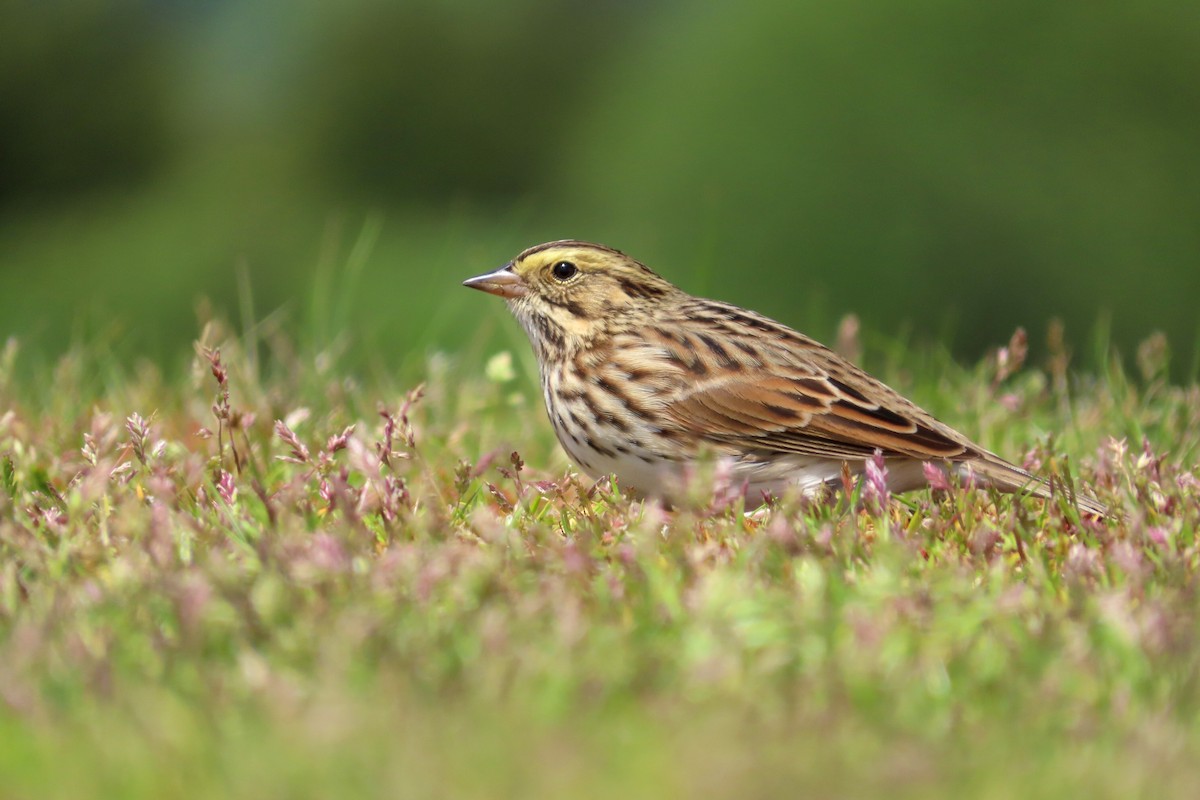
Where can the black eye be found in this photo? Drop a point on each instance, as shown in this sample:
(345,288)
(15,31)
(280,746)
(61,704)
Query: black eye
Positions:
(564,270)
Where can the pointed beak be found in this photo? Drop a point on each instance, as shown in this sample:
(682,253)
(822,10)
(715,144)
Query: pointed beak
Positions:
(502,283)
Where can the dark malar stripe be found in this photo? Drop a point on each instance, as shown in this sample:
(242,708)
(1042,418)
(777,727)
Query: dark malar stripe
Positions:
(551,333)
(571,306)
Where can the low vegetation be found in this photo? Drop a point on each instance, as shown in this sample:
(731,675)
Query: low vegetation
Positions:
(264,578)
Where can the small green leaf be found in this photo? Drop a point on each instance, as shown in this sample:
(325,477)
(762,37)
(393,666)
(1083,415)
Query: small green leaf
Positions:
(8,476)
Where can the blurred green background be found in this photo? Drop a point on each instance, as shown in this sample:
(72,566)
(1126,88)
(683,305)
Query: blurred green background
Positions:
(946,170)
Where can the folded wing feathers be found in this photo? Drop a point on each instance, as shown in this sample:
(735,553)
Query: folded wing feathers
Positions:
(766,397)
(808,413)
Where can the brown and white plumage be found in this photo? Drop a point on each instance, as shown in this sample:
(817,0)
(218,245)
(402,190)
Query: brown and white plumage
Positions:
(639,378)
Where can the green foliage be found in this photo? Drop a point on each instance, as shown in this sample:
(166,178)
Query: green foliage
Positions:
(267,577)
(85,88)
(430,102)
(986,165)
(948,169)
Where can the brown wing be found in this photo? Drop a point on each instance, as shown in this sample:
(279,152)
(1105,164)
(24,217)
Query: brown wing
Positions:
(753,383)
(734,378)
(814,415)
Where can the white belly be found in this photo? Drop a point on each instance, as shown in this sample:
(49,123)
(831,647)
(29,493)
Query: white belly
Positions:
(671,479)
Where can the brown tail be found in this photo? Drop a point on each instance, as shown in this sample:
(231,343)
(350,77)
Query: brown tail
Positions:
(1007,477)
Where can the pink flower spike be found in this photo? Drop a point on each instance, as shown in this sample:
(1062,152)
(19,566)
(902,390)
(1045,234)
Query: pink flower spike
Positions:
(338,442)
(139,432)
(876,493)
(218,369)
(300,454)
(227,488)
(936,477)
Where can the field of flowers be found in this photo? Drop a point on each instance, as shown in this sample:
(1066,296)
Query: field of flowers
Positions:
(265,577)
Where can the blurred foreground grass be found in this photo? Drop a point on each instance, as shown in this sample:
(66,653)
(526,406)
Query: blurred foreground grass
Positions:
(377,598)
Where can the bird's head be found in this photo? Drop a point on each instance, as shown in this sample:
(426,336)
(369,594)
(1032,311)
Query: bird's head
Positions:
(571,292)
